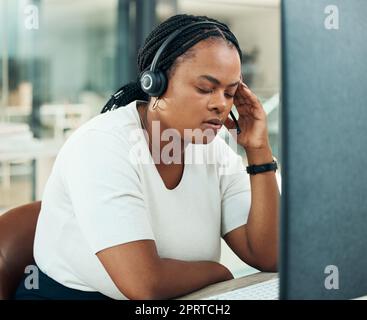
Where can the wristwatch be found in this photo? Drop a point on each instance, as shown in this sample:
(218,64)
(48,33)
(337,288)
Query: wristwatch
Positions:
(255,169)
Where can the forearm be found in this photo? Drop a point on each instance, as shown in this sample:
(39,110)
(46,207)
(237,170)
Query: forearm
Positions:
(177,277)
(262,225)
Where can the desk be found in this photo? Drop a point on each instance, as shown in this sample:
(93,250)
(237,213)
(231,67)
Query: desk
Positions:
(230,285)
(226,286)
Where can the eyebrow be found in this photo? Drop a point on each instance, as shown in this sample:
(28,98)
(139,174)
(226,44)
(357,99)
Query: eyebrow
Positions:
(216,81)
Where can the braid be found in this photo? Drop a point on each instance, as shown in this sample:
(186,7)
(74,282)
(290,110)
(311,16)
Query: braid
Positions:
(177,47)
(126,94)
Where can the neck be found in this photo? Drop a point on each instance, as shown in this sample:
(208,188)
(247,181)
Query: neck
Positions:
(154,126)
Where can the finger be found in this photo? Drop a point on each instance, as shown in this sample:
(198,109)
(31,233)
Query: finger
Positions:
(244,105)
(252,101)
(241,98)
(239,101)
(243,95)
(248,94)
(229,123)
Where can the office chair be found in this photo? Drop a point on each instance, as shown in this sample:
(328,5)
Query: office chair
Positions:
(17,230)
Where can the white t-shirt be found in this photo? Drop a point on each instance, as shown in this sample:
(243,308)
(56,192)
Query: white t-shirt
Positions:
(101,193)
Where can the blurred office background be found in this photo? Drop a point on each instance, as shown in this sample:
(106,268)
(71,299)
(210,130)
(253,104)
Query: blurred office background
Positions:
(62,59)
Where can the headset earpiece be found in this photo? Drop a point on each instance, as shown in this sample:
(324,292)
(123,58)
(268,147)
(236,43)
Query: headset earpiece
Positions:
(153,83)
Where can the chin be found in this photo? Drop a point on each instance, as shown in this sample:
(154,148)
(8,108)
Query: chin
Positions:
(200,135)
(203,140)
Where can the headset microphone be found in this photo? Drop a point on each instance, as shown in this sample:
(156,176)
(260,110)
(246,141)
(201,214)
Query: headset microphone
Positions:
(235,121)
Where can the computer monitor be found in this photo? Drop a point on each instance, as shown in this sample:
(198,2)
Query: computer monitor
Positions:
(323,252)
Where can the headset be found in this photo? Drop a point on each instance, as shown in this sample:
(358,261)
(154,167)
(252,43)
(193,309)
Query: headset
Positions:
(154,81)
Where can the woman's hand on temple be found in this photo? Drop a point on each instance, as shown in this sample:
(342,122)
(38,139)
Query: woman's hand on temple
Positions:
(252,120)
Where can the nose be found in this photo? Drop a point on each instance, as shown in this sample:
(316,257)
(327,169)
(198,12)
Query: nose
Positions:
(218,102)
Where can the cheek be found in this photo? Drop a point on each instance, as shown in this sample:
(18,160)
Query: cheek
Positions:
(188,107)
(186,93)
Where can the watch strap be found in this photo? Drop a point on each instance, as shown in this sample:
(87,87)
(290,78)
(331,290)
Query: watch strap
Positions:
(260,168)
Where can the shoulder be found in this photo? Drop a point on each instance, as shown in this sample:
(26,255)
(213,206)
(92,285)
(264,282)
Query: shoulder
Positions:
(106,139)
(117,122)
(113,127)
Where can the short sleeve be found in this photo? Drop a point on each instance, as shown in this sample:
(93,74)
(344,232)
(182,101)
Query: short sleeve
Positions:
(235,191)
(105,191)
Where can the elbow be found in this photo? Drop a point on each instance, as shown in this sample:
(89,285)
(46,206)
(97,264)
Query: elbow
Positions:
(144,290)
(261,264)
(264,258)
(268,267)
(266,264)
(145,294)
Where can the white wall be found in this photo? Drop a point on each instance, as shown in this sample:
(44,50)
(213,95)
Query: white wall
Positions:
(261,28)
(76,40)
(256,23)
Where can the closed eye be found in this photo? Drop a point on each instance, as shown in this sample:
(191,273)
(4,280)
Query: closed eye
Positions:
(203,91)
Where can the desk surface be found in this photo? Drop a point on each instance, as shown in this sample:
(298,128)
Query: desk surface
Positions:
(226,286)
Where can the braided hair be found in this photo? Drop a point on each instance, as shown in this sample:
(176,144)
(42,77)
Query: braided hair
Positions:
(179,46)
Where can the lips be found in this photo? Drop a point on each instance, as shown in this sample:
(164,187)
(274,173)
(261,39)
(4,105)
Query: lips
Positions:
(215,124)
(214,121)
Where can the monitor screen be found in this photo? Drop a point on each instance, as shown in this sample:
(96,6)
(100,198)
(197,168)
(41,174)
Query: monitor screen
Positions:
(324,150)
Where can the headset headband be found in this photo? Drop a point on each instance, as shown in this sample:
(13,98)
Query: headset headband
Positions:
(172,36)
